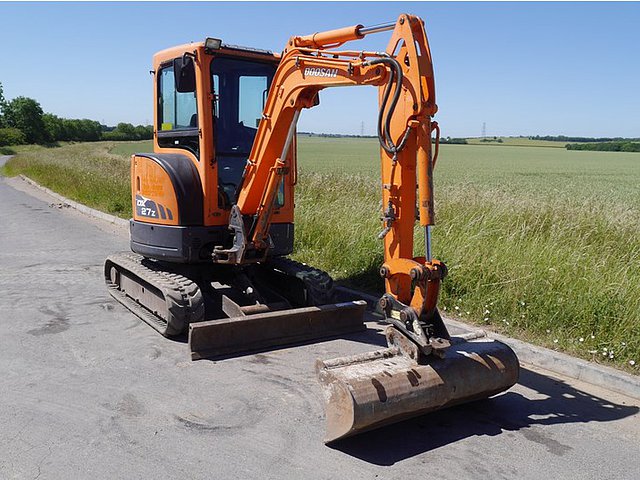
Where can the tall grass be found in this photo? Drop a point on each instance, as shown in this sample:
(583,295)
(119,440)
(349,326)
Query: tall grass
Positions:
(84,172)
(541,243)
(561,277)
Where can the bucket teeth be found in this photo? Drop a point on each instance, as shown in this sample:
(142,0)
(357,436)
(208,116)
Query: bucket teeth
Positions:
(367,391)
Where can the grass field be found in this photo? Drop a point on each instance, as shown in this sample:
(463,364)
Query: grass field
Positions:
(85,172)
(541,243)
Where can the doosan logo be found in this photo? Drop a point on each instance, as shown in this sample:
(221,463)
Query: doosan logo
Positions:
(321,72)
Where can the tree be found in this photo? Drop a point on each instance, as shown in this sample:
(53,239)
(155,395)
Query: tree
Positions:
(25,114)
(54,127)
(11,136)
(143,132)
(126,129)
(70,129)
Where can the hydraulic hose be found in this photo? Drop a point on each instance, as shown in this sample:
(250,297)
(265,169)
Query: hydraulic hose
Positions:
(384,123)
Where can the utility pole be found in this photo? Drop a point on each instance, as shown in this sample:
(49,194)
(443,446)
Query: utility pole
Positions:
(362,128)
(484,130)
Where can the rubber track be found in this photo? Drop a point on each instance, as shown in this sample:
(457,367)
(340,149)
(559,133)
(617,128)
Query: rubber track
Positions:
(318,283)
(183,297)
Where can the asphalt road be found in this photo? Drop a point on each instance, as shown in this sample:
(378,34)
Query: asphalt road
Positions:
(89,391)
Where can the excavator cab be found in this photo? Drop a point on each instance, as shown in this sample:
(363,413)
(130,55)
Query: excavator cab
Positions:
(208,106)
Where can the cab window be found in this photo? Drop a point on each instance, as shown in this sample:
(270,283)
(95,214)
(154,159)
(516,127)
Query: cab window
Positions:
(240,90)
(177,114)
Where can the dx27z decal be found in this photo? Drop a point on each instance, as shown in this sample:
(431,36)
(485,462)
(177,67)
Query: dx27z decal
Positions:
(145,207)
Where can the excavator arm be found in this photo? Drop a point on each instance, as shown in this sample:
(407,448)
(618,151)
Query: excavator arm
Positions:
(404,77)
(418,372)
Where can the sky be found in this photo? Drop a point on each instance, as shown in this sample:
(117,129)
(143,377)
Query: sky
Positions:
(519,68)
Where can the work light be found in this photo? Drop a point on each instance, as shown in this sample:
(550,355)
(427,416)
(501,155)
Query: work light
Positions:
(212,44)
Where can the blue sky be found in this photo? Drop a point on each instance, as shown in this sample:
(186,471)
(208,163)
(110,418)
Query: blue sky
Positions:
(521,68)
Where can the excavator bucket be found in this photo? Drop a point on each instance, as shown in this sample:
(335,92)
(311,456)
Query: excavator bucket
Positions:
(367,391)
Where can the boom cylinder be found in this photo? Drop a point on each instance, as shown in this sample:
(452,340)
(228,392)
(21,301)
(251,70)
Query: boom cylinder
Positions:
(340,35)
(383,27)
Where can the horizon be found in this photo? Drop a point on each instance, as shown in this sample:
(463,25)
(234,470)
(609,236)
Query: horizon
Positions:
(520,69)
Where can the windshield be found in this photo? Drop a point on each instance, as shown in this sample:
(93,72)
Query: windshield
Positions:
(240,90)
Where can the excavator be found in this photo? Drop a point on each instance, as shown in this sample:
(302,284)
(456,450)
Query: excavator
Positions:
(213,223)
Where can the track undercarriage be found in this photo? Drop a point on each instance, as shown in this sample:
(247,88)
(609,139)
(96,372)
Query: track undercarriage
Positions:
(229,309)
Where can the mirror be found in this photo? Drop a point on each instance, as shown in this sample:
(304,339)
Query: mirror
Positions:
(185,74)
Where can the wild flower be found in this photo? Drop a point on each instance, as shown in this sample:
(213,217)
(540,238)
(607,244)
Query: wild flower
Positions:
(632,362)
(581,339)
(555,341)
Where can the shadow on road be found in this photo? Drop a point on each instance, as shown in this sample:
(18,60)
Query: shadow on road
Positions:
(555,403)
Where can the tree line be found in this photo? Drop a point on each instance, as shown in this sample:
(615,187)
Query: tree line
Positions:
(22,121)
(454,141)
(563,138)
(623,146)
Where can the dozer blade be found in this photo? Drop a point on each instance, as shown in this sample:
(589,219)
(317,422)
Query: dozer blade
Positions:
(237,335)
(367,391)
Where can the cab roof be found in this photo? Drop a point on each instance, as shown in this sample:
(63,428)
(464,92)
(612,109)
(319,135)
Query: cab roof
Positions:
(228,49)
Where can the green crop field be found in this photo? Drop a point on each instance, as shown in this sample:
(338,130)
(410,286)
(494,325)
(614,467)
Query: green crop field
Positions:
(541,243)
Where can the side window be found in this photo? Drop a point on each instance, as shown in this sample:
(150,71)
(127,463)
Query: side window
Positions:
(177,110)
(253,91)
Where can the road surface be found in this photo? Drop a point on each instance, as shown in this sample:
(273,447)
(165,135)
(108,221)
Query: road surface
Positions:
(89,391)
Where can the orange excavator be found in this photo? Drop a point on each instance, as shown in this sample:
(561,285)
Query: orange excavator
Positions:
(213,223)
